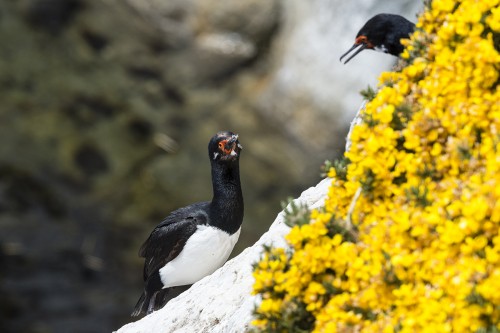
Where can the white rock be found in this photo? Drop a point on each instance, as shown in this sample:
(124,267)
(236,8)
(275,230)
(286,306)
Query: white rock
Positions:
(222,302)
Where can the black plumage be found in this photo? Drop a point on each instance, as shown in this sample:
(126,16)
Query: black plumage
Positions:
(163,250)
(383,32)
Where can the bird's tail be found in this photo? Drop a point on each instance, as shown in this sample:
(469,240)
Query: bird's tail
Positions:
(164,296)
(148,302)
(161,298)
(142,305)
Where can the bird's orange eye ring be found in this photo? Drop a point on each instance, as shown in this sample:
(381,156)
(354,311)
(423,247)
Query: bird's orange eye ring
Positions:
(361,40)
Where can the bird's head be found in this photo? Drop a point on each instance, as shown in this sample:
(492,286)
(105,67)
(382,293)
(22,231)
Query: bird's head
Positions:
(224,147)
(383,33)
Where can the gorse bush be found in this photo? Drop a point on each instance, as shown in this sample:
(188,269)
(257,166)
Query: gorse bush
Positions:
(408,239)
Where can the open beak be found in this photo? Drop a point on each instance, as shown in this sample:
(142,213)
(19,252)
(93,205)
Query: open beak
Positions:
(232,140)
(360,46)
(233,147)
(234,143)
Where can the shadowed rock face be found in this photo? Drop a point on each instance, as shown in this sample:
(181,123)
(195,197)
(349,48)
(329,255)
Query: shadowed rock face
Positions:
(50,15)
(106,110)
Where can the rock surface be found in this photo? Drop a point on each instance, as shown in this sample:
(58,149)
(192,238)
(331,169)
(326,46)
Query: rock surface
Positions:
(222,302)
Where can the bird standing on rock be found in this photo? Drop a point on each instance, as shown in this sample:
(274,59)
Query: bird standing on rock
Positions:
(383,33)
(194,241)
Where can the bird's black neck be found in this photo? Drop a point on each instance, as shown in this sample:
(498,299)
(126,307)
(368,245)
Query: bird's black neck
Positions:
(226,208)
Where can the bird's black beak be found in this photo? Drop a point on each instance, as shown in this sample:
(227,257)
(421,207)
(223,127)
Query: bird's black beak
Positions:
(234,144)
(232,148)
(361,46)
(232,140)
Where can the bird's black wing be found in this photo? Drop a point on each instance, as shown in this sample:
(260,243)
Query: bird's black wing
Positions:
(169,237)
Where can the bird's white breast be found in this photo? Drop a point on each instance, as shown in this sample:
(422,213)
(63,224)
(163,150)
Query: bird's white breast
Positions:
(381,48)
(204,252)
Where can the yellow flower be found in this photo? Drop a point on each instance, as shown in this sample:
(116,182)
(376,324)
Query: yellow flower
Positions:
(270,305)
(494,19)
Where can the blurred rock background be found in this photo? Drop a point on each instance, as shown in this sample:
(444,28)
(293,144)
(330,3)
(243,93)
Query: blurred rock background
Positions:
(106,109)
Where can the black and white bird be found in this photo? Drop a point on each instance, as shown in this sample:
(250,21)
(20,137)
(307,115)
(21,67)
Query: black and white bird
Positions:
(382,33)
(194,241)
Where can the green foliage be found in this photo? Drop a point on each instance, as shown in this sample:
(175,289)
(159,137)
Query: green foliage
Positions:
(368,94)
(294,319)
(419,195)
(368,184)
(296,213)
(340,166)
(400,117)
(325,168)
